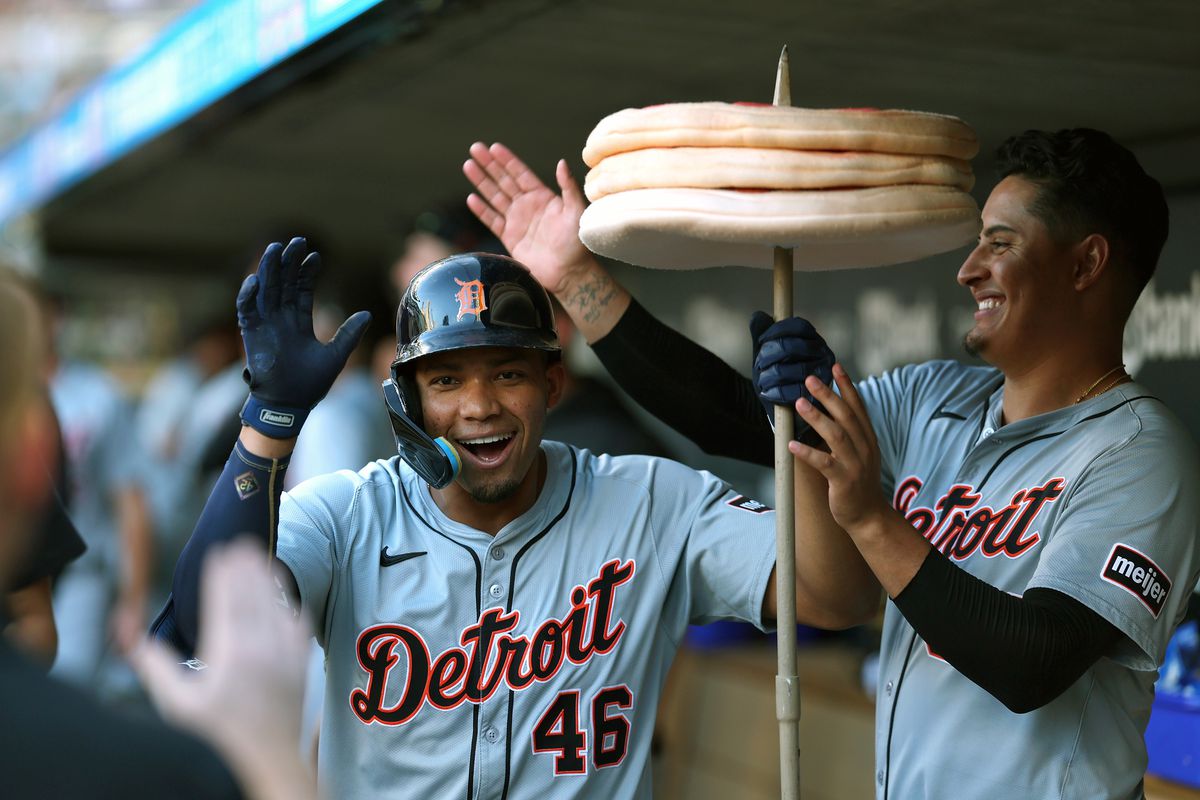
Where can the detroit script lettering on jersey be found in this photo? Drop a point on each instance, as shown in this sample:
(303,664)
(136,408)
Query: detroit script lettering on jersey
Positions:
(488,655)
(958,526)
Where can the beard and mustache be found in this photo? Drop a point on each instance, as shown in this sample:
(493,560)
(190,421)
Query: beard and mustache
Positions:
(973,343)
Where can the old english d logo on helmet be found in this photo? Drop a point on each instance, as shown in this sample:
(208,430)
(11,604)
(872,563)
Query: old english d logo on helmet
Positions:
(470,298)
(473,300)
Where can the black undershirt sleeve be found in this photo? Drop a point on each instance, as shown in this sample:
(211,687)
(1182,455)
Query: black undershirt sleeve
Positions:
(1024,651)
(687,387)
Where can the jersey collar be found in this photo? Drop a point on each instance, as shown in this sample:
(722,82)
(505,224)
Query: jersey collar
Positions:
(1061,418)
(550,501)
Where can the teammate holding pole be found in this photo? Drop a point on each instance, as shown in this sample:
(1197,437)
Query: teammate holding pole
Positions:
(1034,523)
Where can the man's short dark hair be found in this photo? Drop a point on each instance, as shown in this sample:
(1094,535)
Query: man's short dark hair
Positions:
(1087,183)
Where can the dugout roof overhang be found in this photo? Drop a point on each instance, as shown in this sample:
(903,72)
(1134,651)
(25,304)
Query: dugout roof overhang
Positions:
(365,126)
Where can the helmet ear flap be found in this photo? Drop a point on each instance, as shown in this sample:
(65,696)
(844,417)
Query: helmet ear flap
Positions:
(410,398)
(435,460)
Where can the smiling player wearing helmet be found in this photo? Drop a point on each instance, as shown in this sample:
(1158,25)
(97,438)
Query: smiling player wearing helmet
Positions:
(498,612)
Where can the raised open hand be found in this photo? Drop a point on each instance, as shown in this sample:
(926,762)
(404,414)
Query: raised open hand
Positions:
(287,369)
(538,227)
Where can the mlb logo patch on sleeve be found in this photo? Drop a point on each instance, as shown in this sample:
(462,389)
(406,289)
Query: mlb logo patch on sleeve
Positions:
(1136,573)
(746,504)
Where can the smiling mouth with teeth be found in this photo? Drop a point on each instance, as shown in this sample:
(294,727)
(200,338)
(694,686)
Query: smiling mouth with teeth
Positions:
(487,448)
(989,303)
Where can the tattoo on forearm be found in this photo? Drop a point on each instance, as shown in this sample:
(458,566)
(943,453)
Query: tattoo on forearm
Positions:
(593,296)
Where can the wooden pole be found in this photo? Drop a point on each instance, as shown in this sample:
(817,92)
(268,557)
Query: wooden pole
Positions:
(787,683)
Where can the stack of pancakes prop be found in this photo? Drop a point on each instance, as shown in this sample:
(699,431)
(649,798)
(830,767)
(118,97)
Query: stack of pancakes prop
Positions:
(692,185)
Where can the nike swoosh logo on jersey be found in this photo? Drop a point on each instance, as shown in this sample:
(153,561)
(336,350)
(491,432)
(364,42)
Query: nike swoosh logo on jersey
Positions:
(386,559)
(945,413)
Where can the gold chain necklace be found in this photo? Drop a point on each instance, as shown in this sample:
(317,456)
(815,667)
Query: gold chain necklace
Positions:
(1114,382)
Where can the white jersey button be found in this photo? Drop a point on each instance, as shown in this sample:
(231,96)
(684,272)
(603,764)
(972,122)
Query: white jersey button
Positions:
(492,735)
(888,688)
(497,553)
(496,590)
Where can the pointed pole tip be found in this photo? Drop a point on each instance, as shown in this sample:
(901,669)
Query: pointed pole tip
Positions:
(783,80)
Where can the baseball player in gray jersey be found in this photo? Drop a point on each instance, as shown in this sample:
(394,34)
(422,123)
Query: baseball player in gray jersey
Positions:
(1055,501)
(498,613)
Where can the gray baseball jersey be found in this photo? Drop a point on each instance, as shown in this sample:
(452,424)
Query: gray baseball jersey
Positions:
(525,665)
(1099,501)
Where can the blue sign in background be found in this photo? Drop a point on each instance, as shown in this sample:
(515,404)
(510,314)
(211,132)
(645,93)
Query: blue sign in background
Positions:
(209,52)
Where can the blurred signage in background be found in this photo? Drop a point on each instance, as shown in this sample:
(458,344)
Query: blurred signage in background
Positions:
(208,53)
(1164,326)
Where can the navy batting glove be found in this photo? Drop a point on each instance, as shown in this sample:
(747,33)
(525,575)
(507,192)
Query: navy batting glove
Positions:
(785,354)
(287,369)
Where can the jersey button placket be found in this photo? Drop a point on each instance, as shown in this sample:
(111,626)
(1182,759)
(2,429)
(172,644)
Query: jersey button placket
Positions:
(495,571)
(493,734)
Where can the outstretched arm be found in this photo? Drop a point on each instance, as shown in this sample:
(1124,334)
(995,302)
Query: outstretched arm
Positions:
(672,377)
(288,371)
(541,230)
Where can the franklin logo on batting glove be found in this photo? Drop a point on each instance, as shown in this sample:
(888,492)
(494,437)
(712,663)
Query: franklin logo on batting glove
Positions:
(277,418)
